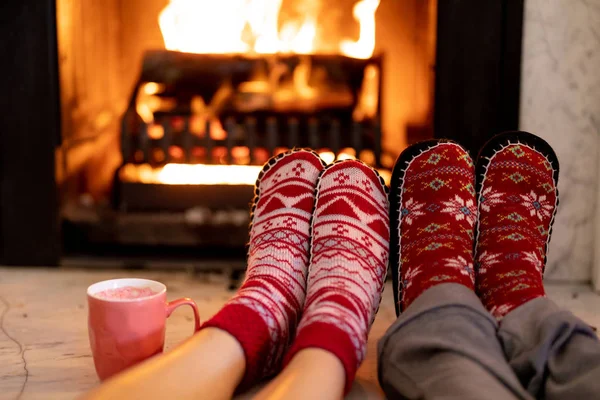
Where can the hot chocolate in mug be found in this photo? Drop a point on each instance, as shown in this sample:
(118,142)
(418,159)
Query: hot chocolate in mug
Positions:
(127,320)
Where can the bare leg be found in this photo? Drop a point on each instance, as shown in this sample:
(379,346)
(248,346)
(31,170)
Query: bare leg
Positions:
(209,365)
(312,374)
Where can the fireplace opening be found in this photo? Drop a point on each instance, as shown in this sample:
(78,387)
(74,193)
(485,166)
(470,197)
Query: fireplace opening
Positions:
(170,108)
(71,185)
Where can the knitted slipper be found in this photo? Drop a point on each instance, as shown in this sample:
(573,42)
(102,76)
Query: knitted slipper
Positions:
(432,216)
(517,178)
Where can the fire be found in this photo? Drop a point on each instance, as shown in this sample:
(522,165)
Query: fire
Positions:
(193,25)
(364,12)
(327,156)
(191,174)
(208,174)
(252,26)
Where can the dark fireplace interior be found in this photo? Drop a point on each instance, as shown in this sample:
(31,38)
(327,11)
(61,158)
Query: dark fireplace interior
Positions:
(147,142)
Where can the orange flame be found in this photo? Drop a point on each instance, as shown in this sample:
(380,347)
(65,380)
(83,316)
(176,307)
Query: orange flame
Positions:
(191,174)
(241,26)
(209,174)
(364,12)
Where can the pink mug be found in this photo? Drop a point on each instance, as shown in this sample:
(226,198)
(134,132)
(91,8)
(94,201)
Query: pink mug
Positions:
(125,331)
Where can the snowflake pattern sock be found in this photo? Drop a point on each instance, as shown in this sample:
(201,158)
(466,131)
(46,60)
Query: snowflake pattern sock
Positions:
(433,213)
(517,176)
(264,313)
(349,258)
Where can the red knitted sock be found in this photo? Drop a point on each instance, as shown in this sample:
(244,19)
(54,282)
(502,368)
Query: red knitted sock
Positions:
(433,213)
(517,178)
(349,255)
(263,315)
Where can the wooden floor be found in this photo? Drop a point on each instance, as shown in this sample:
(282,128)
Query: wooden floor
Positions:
(44,350)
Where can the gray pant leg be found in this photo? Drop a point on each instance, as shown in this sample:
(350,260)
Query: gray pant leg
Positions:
(445,346)
(554,353)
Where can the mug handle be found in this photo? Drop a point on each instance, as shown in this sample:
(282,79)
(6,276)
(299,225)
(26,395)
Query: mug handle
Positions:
(172,305)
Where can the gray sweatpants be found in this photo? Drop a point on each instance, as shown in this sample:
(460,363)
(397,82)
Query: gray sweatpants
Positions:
(447,346)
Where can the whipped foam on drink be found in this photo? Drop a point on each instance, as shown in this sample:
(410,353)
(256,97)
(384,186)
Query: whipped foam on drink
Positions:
(125,293)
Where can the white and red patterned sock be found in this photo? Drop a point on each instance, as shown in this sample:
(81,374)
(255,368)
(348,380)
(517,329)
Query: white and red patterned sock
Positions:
(264,313)
(349,259)
(517,183)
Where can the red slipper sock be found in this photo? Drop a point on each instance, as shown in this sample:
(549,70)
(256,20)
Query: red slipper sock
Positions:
(263,315)
(349,256)
(433,212)
(518,174)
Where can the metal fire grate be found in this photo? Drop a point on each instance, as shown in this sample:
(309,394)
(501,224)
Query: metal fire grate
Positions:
(237,124)
(267,133)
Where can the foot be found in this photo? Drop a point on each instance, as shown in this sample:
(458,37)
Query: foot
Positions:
(433,214)
(517,176)
(263,315)
(349,259)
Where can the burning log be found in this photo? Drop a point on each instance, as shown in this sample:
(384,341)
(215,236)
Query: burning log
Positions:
(285,83)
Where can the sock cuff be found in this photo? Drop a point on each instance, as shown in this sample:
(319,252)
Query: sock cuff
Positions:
(327,337)
(251,332)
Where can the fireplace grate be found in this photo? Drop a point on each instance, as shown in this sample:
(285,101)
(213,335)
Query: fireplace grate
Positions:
(233,110)
(173,140)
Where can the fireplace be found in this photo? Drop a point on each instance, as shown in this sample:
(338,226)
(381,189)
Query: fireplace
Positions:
(211,93)
(151,119)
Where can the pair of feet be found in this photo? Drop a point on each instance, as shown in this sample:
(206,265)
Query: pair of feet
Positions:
(485,226)
(317,261)
(320,240)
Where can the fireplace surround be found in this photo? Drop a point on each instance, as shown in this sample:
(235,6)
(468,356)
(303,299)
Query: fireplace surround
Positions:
(476,72)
